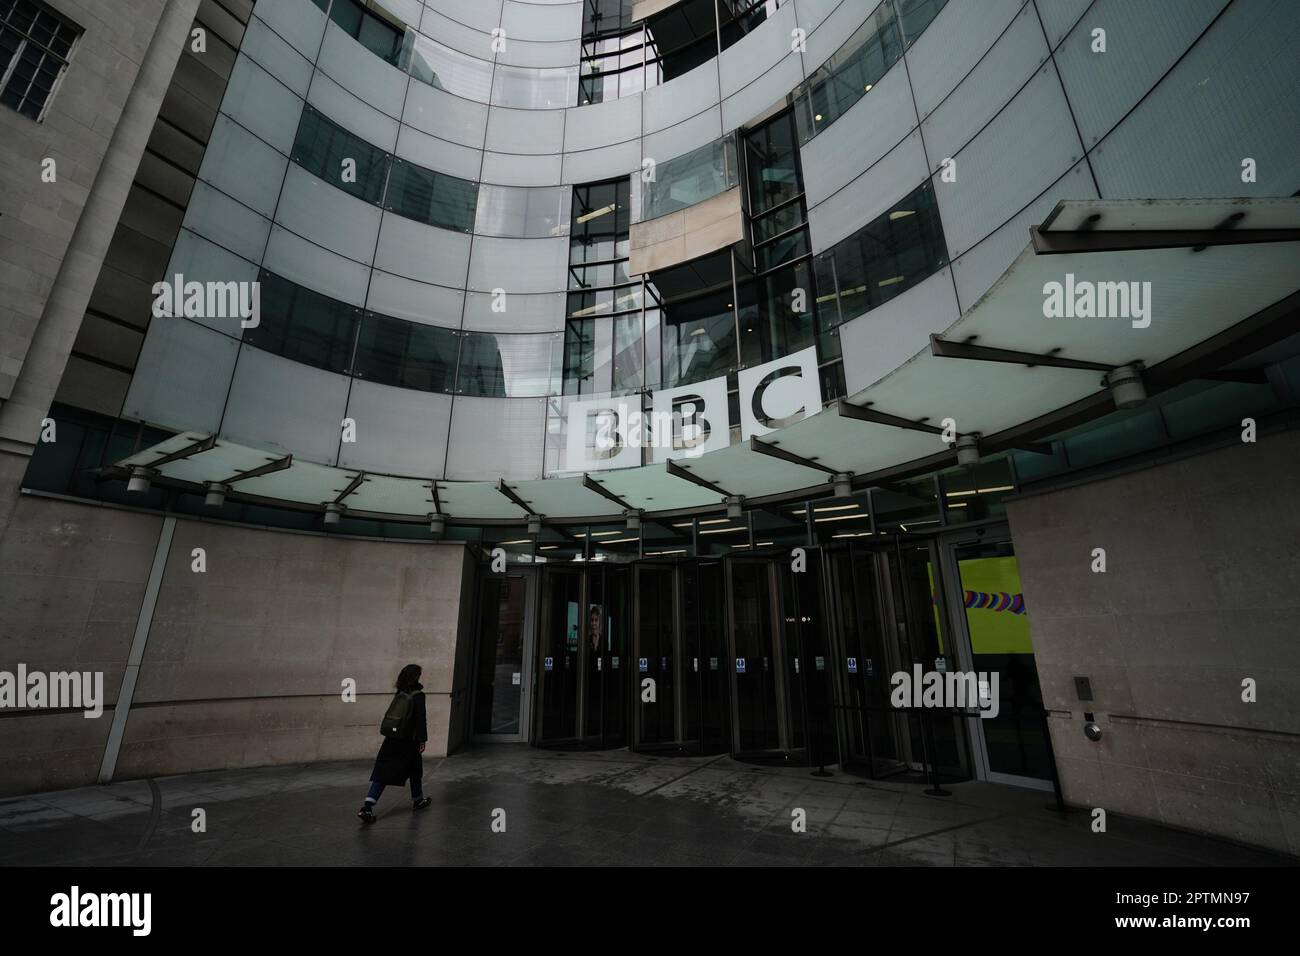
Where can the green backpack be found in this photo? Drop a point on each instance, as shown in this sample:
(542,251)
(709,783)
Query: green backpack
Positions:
(397,719)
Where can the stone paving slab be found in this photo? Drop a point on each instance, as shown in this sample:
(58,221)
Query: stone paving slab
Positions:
(613,808)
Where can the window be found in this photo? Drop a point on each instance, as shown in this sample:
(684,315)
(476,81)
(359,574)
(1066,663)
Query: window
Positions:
(406,354)
(322,148)
(35,43)
(376,35)
(304,326)
(691,178)
(431,197)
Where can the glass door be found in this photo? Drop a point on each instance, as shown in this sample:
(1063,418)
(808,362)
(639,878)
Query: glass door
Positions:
(559,656)
(655,658)
(871,730)
(757,691)
(988,611)
(502,672)
(707,716)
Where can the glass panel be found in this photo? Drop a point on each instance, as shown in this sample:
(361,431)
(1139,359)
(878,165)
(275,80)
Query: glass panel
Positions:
(446,69)
(522,213)
(655,647)
(699,175)
(526,88)
(683,37)
(752,640)
(772,156)
(303,325)
(976,492)
(996,621)
(850,74)
(915,16)
(770,326)
(322,148)
(699,339)
(558,643)
(509,365)
(431,197)
(499,682)
(884,258)
(406,354)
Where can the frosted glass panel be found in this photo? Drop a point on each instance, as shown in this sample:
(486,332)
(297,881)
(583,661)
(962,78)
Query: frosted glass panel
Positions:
(542,312)
(522,88)
(449,117)
(553,21)
(275,56)
(328,216)
(347,111)
(182,376)
(316,268)
(523,213)
(510,365)
(438,154)
(242,166)
(300,22)
(525,131)
(262,104)
(280,405)
(443,68)
(201,261)
(519,265)
(399,431)
(427,253)
(415,301)
(368,77)
(215,216)
(496,438)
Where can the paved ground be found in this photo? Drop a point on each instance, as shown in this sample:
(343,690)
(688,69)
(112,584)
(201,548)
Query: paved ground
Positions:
(612,808)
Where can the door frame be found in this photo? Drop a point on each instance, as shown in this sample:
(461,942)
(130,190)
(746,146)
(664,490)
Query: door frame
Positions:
(529,651)
(958,628)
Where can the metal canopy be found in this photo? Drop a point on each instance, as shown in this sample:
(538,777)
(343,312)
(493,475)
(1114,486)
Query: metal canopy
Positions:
(1029,373)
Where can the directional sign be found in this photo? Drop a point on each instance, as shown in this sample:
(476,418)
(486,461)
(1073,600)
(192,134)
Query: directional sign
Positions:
(853,665)
(548,663)
(643,664)
(740,665)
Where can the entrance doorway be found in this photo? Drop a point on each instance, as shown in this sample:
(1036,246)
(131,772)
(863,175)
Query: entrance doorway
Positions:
(503,668)
(988,614)
(582,657)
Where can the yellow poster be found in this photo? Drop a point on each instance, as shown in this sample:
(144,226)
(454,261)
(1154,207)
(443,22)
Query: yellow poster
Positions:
(995,606)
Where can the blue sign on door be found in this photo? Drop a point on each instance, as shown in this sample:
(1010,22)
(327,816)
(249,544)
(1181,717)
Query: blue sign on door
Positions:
(853,665)
(740,665)
(643,664)
(548,663)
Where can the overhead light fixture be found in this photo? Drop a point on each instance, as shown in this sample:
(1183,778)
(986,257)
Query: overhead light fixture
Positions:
(333,513)
(898,214)
(534,524)
(597,213)
(140,479)
(735,506)
(818,117)
(867,88)
(891,281)
(843,485)
(437,525)
(968,449)
(1126,387)
(216,494)
(633,517)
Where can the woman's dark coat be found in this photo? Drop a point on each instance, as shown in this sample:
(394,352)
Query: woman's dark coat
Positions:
(399,757)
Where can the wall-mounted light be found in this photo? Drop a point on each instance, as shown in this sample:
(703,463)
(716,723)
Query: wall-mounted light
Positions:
(534,524)
(1126,387)
(333,513)
(843,485)
(140,479)
(735,506)
(216,494)
(633,517)
(968,449)
(437,525)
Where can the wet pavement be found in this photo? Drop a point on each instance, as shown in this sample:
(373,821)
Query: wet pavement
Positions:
(610,808)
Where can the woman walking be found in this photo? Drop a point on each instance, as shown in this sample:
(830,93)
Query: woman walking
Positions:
(405,731)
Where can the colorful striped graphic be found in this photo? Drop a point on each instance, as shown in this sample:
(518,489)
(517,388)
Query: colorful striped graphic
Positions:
(990,601)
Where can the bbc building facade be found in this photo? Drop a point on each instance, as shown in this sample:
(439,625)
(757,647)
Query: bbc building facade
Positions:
(663,374)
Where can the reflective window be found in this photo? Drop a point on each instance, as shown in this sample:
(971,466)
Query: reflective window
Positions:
(378,36)
(771,324)
(698,175)
(697,319)
(522,213)
(35,43)
(331,153)
(406,354)
(509,365)
(682,37)
(446,69)
(303,326)
(888,256)
(738,18)
(850,74)
(915,15)
(431,197)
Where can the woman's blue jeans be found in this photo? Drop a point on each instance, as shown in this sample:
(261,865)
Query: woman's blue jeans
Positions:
(417,790)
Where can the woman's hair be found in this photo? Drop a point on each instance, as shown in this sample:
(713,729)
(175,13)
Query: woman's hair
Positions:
(409,677)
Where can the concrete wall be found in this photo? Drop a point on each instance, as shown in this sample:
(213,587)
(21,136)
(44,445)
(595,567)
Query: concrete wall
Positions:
(1201,591)
(244,663)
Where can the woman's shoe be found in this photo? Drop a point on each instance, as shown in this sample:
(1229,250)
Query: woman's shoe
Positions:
(366,815)
(422,803)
